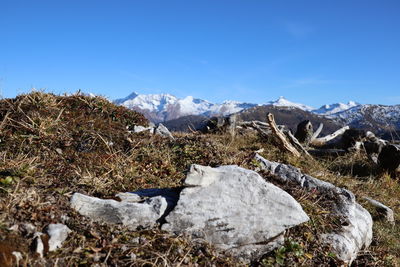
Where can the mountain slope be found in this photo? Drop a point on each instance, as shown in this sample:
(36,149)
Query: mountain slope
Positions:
(383,120)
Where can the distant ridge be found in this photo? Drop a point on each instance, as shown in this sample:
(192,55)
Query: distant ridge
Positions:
(163,107)
(384,120)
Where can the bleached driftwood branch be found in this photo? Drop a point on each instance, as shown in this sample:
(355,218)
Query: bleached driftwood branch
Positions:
(297,144)
(323,140)
(281,138)
(317,132)
(263,132)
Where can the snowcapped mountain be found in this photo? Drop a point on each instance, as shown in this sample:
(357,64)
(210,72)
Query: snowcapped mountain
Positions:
(371,117)
(335,108)
(283,102)
(156,102)
(163,107)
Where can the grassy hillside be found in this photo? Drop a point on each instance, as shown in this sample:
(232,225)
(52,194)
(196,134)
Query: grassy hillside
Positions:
(52,146)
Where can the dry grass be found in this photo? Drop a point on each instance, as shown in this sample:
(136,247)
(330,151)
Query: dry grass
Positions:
(52,146)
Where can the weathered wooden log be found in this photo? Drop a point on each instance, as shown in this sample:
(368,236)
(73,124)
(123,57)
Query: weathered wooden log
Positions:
(262,132)
(250,123)
(389,158)
(324,140)
(297,144)
(317,132)
(263,125)
(280,137)
(304,132)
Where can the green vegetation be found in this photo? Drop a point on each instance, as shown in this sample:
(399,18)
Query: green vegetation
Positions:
(52,146)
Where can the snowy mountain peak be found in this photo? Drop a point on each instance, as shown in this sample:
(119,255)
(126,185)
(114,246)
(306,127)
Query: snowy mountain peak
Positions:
(335,108)
(352,103)
(147,102)
(283,102)
(122,100)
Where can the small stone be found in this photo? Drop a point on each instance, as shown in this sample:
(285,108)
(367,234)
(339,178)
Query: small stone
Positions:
(163,131)
(58,234)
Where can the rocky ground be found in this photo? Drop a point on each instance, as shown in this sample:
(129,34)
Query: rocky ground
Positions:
(55,146)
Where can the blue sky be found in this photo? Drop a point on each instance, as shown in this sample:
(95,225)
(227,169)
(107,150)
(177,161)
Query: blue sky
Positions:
(314,52)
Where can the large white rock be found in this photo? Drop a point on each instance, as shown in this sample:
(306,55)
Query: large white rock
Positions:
(356,231)
(131,214)
(235,209)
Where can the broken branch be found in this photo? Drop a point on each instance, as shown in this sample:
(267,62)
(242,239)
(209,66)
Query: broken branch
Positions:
(281,139)
(323,140)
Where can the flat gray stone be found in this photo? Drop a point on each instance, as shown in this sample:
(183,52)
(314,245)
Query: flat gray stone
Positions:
(131,214)
(58,233)
(234,209)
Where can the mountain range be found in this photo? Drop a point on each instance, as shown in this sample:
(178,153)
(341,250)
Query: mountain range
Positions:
(167,108)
